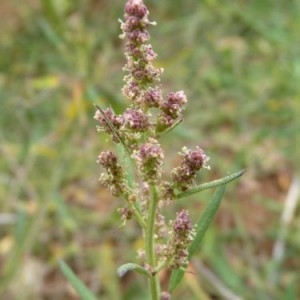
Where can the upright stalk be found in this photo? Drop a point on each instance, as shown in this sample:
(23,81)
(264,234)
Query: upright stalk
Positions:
(154,285)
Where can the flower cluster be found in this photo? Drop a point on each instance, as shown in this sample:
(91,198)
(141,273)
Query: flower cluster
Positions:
(193,161)
(108,118)
(181,236)
(113,178)
(140,55)
(171,111)
(141,82)
(135,120)
(149,158)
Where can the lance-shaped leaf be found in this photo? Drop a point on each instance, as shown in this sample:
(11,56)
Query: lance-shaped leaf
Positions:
(169,129)
(122,270)
(77,284)
(112,128)
(210,184)
(201,229)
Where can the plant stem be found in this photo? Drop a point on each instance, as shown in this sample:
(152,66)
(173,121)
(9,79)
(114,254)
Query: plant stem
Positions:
(149,241)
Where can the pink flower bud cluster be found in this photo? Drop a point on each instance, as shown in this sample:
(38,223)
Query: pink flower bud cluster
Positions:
(140,55)
(141,81)
(135,120)
(174,104)
(193,161)
(181,236)
(171,110)
(150,160)
(113,178)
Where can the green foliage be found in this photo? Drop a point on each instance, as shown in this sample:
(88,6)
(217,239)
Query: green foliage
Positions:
(78,285)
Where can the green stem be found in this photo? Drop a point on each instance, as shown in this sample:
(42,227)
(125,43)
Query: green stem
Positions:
(138,216)
(162,266)
(149,239)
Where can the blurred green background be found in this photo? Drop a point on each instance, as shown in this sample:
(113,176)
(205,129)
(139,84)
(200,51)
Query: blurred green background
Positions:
(239,64)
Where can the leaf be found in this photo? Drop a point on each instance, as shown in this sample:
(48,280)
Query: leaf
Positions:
(210,184)
(122,270)
(201,229)
(127,164)
(206,219)
(112,128)
(76,283)
(160,134)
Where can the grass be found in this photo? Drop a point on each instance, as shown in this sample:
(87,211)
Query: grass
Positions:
(239,64)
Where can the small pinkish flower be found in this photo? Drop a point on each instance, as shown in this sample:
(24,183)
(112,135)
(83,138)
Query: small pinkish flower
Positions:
(136,8)
(153,97)
(174,104)
(149,158)
(114,176)
(181,236)
(108,160)
(196,159)
(182,224)
(131,89)
(138,36)
(135,119)
(148,53)
(193,161)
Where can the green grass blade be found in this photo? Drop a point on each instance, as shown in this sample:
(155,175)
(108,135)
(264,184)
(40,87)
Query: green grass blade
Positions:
(201,229)
(211,184)
(77,284)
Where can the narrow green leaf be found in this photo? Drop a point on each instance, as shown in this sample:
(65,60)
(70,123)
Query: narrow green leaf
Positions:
(169,129)
(77,284)
(112,128)
(201,229)
(127,164)
(210,184)
(206,219)
(122,270)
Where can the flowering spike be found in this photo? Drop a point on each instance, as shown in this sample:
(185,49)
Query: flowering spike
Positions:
(181,236)
(140,55)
